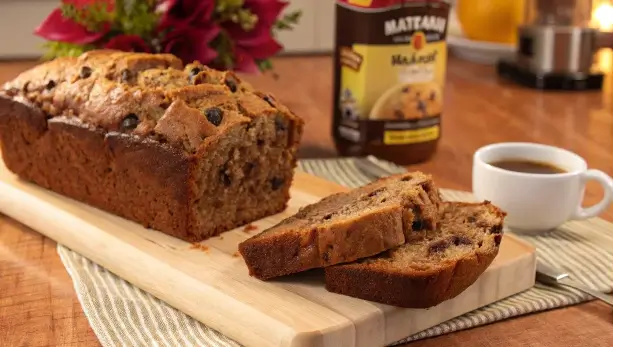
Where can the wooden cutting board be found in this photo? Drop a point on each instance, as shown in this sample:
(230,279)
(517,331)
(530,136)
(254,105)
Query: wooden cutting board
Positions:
(211,282)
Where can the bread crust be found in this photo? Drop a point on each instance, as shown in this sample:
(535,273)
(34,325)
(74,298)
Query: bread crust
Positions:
(415,288)
(423,290)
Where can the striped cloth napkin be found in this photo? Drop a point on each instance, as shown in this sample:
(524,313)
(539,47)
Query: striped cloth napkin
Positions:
(123,315)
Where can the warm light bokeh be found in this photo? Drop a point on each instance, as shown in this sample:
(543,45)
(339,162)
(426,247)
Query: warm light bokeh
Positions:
(602,15)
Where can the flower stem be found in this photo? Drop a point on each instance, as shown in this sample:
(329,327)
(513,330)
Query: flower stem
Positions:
(120,8)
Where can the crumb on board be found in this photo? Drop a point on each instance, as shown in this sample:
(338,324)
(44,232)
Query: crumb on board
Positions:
(249,228)
(236,254)
(220,237)
(199,246)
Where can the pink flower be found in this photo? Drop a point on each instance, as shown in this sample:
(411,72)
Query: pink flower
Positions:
(57,28)
(180,13)
(189,29)
(192,43)
(128,43)
(257,43)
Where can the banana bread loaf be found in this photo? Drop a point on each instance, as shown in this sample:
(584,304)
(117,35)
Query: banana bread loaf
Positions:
(346,226)
(186,150)
(426,272)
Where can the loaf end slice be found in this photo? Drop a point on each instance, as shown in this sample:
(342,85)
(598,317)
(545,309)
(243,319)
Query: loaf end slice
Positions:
(424,273)
(346,226)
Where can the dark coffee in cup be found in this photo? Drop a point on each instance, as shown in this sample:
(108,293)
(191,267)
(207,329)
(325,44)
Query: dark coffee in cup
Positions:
(528,166)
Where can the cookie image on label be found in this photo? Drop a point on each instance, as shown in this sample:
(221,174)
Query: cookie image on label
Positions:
(348,105)
(409,101)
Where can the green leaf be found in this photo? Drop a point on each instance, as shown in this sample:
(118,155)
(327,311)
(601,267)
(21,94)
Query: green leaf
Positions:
(247,19)
(90,16)
(228,5)
(288,21)
(223,45)
(131,17)
(138,18)
(232,10)
(56,49)
(293,17)
(264,65)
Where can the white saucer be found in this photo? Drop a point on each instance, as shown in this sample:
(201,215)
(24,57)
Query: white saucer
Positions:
(480,52)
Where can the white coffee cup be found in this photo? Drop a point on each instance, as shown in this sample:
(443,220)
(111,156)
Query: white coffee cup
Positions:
(536,202)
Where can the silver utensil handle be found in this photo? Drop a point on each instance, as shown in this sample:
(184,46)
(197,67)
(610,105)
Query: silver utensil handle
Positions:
(604,297)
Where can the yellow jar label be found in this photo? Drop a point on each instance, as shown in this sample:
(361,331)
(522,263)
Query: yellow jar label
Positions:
(390,72)
(402,137)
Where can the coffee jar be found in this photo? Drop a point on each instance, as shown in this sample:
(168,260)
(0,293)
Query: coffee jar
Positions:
(389,71)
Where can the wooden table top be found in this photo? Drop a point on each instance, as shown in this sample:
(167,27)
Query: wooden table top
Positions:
(39,307)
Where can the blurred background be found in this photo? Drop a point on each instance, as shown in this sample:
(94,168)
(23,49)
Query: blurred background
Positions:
(481,21)
(492,86)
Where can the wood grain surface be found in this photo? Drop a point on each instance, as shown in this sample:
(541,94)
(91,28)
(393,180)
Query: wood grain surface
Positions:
(38,306)
(236,304)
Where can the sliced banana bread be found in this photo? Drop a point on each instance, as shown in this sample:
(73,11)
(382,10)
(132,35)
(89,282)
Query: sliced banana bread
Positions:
(426,272)
(346,226)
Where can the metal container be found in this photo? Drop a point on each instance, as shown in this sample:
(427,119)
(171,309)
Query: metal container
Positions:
(556,37)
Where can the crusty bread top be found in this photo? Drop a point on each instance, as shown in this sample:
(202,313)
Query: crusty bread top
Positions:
(464,228)
(147,95)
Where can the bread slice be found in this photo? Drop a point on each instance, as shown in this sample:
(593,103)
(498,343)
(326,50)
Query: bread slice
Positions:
(346,226)
(426,272)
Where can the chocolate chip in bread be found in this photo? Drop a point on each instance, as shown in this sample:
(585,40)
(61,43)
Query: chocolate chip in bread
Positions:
(346,226)
(187,150)
(426,272)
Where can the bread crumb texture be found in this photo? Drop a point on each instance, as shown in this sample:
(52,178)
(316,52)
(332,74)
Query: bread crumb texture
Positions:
(249,227)
(200,247)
